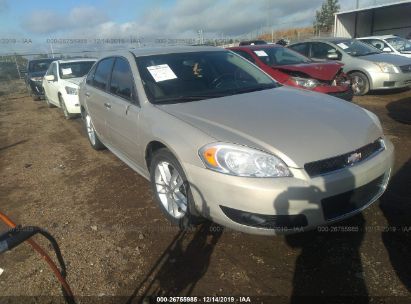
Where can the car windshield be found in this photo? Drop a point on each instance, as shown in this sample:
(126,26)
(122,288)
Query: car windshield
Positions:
(183,77)
(75,69)
(280,56)
(400,44)
(356,48)
(39,66)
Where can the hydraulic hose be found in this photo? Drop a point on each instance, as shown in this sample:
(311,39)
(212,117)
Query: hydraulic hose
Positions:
(59,275)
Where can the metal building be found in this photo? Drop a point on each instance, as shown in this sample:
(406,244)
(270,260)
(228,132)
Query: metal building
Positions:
(385,19)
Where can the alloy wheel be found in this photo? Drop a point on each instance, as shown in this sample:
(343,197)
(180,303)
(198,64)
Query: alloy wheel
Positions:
(171,189)
(90,130)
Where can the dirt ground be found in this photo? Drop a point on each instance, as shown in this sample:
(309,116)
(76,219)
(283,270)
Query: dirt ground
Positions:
(115,240)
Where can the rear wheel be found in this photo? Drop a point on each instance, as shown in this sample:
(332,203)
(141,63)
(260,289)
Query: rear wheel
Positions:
(172,190)
(360,84)
(91,133)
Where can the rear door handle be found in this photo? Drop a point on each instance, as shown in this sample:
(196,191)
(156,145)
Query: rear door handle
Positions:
(87,94)
(107,105)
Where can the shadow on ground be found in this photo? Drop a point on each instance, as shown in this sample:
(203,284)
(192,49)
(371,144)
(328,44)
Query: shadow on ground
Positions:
(400,110)
(184,262)
(396,207)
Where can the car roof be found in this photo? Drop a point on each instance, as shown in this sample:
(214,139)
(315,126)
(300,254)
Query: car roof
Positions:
(325,39)
(169,50)
(256,47)
(76,60)
(378,37)
(43,60)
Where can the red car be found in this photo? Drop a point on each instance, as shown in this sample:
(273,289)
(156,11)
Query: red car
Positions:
(291,68)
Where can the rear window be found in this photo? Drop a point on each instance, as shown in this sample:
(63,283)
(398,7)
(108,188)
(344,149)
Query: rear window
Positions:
(39,66)
(74,69)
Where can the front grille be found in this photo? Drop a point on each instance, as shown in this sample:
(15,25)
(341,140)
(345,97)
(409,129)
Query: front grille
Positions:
(342,161)
(347,202)
(406,68)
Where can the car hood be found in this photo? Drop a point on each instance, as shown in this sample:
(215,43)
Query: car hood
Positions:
(297,125)
(394,59)
(320,71)
(75,81)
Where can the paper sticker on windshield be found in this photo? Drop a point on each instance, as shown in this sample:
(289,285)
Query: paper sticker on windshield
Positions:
(342,45)
(260,53)
(66,71)
(161,72)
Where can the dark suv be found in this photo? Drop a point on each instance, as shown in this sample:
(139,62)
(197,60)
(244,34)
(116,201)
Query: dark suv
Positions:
(34,78)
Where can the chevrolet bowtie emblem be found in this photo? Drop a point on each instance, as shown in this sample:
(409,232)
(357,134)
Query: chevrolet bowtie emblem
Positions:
(354,158)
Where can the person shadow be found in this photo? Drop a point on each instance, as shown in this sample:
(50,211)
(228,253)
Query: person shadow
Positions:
(329,265)
(181,266)
(396,207)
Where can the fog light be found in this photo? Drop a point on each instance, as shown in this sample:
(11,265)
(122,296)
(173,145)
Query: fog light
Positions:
(389,83)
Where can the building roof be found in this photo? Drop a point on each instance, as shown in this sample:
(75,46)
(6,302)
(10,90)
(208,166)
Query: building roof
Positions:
(373,7)
(378,37)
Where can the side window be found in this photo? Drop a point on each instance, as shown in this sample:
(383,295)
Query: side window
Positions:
(122,82)
(102,73)
(90,75)
(245,55)
(301,48)
(321,50)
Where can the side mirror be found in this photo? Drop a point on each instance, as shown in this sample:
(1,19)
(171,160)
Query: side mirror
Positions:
(332,56)
(49,77)
(386,50)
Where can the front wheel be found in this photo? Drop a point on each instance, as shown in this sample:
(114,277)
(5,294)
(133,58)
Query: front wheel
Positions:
(67,114)
(360,84)
(48,103)
(172,190)
(91,133)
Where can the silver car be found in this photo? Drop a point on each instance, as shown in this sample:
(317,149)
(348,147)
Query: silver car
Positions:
(389,44)
(219,139)
(369,68)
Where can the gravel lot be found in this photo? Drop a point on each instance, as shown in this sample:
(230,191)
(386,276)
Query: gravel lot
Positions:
(116,241)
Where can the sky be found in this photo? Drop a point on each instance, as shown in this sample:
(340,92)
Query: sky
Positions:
(34,23)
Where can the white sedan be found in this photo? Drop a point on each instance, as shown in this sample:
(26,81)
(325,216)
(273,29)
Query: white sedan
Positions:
(61,84)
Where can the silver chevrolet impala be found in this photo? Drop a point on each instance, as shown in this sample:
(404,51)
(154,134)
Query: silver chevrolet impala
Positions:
(221,140)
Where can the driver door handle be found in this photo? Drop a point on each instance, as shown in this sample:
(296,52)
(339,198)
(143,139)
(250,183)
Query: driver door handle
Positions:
(87,94)
(107,105)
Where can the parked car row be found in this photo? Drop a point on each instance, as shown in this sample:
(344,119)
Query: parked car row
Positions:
(220,139)
(368,67)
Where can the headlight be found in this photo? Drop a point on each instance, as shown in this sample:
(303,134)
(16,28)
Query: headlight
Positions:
(71,91)
(36,78)
(307,83)
(242,161)
(388,67)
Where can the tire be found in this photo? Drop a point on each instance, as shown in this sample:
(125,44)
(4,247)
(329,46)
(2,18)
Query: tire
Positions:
(35,97)
(359,83)
(174,197)
(67,114)
(48,103)
(91,133)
